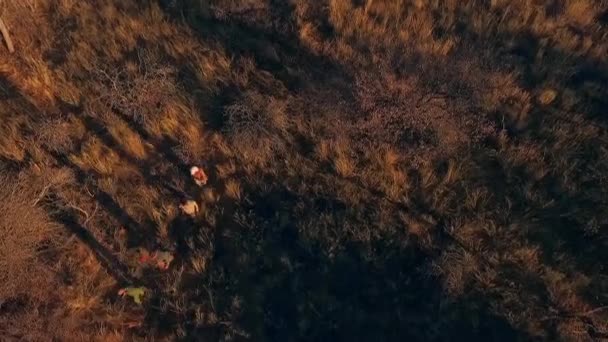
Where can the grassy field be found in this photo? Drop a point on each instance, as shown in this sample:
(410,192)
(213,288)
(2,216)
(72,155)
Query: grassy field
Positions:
(379,170)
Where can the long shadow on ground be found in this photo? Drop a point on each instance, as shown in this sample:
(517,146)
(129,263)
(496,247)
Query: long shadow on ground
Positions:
(289,288)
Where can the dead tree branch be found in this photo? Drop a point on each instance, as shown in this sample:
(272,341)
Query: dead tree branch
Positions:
(6,36)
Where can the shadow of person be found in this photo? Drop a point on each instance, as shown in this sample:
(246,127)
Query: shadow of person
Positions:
(181,229)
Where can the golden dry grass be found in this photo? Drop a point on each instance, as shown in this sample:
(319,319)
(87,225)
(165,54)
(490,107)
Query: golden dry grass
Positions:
(233,189)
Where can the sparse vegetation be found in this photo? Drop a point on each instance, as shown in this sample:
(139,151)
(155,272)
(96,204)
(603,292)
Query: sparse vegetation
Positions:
(378,170)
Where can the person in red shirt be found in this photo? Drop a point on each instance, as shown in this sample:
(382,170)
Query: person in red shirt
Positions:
(200,177)
(160,259)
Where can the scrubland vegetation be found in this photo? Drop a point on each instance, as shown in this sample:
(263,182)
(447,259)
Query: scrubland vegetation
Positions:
(379,170)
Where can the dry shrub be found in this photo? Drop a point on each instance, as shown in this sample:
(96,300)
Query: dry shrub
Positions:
(423,114)
(51,288)
(58,133)
(28,241)
(257,125)
(255,115)
(26,233)
(142,90)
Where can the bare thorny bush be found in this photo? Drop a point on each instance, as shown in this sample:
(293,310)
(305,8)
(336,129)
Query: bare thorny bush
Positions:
(43,294)
(29,250)
(140,89)
(419,118)
(26,231)
(257,124)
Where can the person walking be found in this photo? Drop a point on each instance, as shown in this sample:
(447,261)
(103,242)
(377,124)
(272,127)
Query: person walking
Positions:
(199,176)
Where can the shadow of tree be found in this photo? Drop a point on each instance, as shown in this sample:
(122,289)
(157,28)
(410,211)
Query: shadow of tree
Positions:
(288,287)
(143,166)
(164,148)
(275,49)
(563,221)
(104,256)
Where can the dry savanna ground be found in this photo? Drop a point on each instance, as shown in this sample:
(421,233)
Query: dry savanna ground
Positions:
(379,170)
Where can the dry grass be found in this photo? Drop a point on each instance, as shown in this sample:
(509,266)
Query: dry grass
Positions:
(344,165)
(233,189)
(370,163)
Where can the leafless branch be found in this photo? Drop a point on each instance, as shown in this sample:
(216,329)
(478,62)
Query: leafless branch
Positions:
(87,216)
(593,311)
(42,193)
(6,36)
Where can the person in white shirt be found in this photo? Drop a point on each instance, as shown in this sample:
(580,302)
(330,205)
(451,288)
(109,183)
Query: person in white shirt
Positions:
(189,208)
